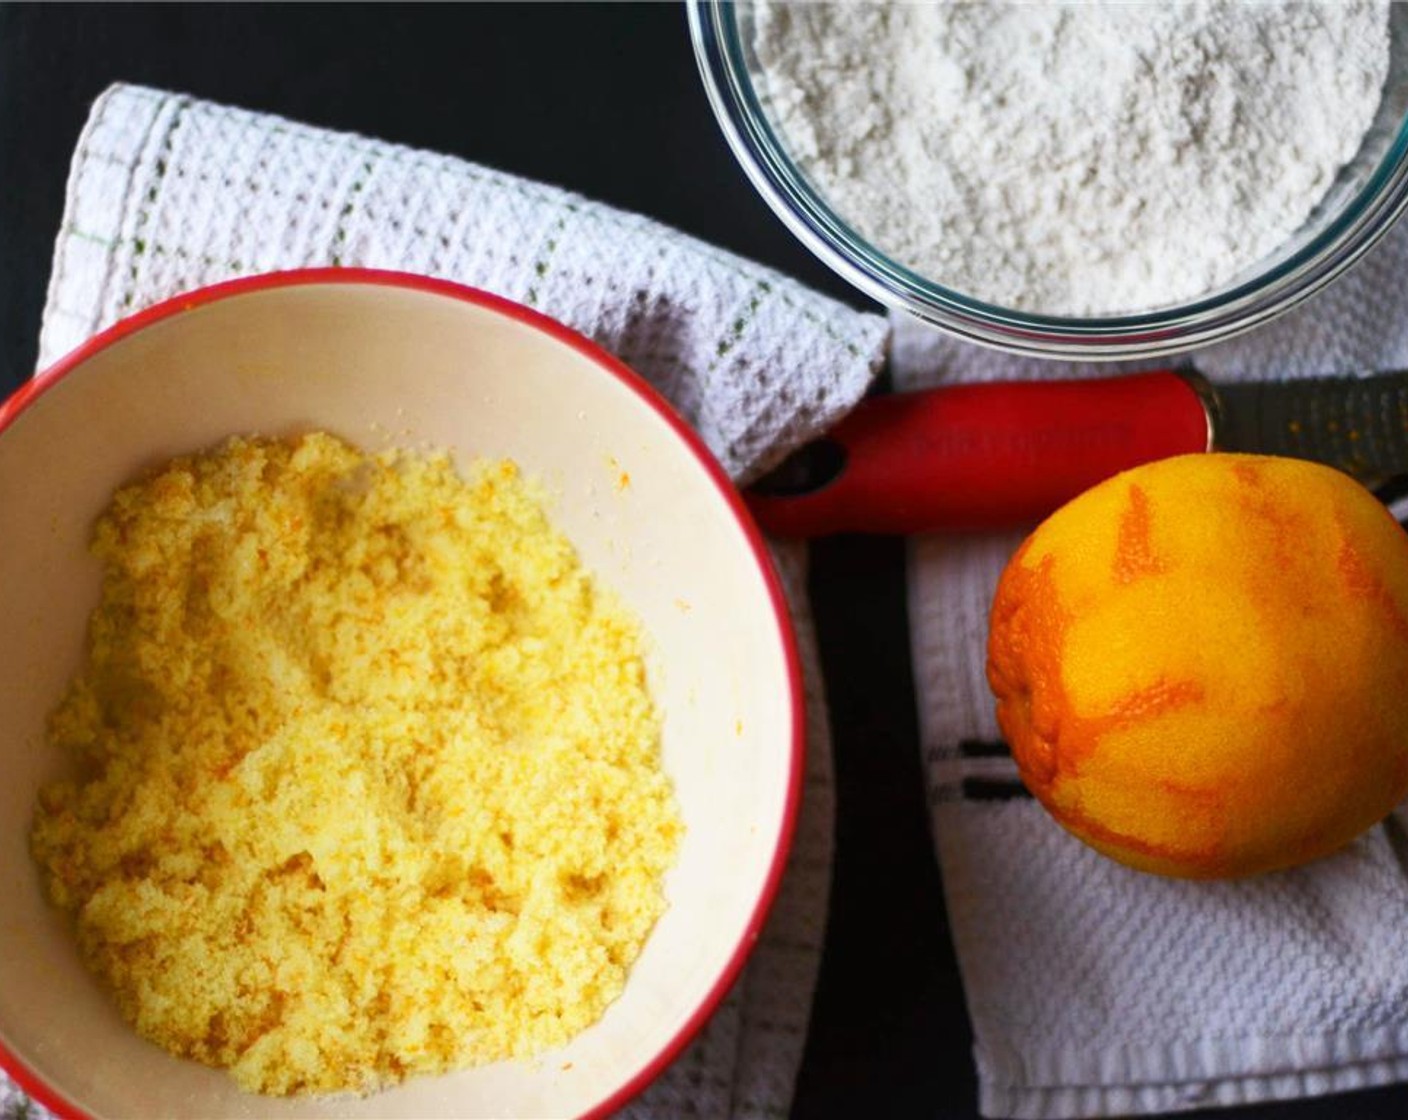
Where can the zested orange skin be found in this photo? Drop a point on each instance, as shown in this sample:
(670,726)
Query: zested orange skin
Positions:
(1201,665)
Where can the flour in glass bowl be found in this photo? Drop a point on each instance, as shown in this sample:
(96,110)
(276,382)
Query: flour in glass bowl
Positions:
(1073,159)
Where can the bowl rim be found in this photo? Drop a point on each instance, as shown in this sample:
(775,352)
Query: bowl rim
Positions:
(30,391)
(1240,306)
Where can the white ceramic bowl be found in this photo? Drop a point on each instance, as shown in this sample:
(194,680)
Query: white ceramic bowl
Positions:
(384,358)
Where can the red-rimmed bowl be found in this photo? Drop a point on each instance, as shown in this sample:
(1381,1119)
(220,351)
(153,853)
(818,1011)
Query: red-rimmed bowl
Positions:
(384,358)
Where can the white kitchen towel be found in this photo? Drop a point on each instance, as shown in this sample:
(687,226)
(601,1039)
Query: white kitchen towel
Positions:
(168,193)
(1095,990)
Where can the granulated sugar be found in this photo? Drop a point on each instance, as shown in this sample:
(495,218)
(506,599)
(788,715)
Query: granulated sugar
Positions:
(1074,159)
(371,777)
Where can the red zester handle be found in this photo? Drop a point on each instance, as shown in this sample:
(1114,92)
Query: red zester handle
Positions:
(985,456)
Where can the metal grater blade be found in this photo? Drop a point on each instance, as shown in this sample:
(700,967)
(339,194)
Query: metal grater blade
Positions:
(1358,424)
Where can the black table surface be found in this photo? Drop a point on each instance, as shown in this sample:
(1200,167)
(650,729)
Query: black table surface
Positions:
(603,99)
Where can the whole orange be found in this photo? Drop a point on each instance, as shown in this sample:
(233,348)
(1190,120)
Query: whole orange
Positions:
(1201,665)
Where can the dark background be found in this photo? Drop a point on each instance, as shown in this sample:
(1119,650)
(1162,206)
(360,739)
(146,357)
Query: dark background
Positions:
(603,99)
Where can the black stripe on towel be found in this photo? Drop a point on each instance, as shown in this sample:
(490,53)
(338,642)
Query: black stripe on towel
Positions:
(979,790)
(983,748)
(976,789)
(988,789)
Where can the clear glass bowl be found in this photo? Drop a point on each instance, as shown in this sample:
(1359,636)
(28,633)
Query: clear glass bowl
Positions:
(1364,201)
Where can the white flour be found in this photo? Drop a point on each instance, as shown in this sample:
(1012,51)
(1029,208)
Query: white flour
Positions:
(1074,159)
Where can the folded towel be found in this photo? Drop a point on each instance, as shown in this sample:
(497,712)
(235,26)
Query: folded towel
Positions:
(1097,990)
(168,193)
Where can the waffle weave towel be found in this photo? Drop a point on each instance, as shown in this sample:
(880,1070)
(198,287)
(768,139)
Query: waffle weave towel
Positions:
(168,193)
(1095,990)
